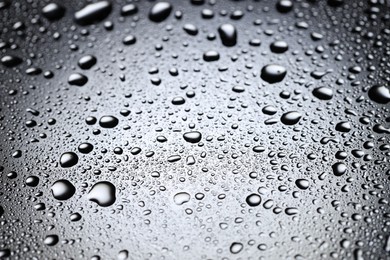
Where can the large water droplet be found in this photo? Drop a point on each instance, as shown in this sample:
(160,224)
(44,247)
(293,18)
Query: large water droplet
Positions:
(379,94)
(11,61)
(103,193)
(344,127)
(87,61)
(192,137)
(323,93)
(77,79)
(228,34)
(236,247)
(284,6)
(160,11)
(290,118)
(273,73)
(108,121)
(253,200)
(53,11)
(51,240)
(62,189)
(339,169)
(68,159)
(303,184)
(211,56)
(279,46)
(181,198)
(94,12)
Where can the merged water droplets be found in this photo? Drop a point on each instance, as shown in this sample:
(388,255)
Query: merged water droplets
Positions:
(181,198)
(103,193)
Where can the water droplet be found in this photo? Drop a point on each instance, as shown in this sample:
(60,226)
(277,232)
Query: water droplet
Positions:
(323,93)
(123,255)
(284,6)
(228,34)
(192,137)
(174,158)
(236,247)
(178,101)
(339,169)
(211,56)
(129,9)
(87,61)
(279,46)
(160,11)
(68,159)
(85,148)
(11,61)
(303,184)
(273,73)
(181,198)
(77,79)
(103,193)
(291,211)
(74,217)
(92,13)
(253,200)
(290,118)
(108,121)
(129,40)
(51,240)
(53,11)
(62,190)
(32,181)
(344,127)
(190,29)
(379,94)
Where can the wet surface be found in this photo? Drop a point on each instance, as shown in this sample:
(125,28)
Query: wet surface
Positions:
(195,129)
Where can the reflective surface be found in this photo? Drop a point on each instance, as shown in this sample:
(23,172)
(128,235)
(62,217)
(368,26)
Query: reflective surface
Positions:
(194,129)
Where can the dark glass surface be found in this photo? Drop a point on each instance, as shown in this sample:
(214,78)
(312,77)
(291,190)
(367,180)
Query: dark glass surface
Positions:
(201,129)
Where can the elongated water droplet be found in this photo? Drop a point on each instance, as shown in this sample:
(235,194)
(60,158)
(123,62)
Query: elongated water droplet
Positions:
(103,193)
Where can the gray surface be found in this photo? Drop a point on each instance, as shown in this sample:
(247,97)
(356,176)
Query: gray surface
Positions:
(144,220)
